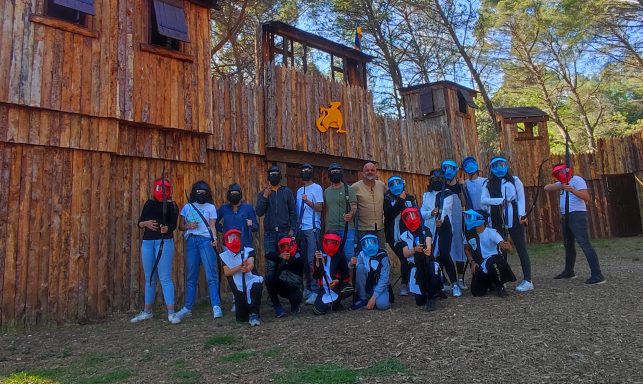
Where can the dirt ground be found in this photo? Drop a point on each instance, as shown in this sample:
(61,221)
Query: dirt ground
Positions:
(563,332)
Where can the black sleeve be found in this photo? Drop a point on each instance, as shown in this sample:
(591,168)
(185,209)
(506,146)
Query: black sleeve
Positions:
(146,212)
(273,256)
(317,270)
(292,210)
(341,268)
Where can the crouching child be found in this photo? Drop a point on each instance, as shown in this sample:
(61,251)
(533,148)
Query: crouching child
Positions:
(425,280)
(238,267)
(289,274)
(331,270)
(373,271)
(483,247)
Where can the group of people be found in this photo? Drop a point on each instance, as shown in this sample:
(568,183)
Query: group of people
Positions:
(465,221)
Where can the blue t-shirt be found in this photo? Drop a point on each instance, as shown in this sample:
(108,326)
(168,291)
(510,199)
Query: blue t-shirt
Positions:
(237,220)
(576,204)
(315,193)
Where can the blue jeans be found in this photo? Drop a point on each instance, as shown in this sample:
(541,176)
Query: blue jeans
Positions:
(149,250)
(312,237)
(577,230)
(349,246)
(198,249)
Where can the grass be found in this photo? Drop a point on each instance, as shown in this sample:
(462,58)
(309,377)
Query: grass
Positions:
(220,340)
(334,374)
(27,378)
(236,357)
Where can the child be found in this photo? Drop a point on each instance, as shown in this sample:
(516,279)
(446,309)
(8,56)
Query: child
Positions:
(503,196)
(425,280)
(288,277)
(331,271)
(489,268)
(373,271)
(238,265)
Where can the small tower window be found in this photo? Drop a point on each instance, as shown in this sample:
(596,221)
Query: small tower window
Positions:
(74,11)
(426,103)
(168,26)
(527,130)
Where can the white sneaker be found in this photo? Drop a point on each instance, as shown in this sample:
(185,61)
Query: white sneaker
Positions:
(217,312)
(311,299)
(456,290)
(184,312)
(141,316)
(462,284)
(254,320)
(404,290)
(525,286)
(173,318)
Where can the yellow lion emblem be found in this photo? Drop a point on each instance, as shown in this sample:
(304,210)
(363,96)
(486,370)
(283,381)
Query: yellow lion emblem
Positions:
(330,118)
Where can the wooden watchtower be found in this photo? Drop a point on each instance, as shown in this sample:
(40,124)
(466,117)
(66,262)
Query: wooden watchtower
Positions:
(524,138)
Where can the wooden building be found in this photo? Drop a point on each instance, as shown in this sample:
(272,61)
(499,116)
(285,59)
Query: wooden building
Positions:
(97,97)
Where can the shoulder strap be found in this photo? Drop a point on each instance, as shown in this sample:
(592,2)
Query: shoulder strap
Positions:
(207,225)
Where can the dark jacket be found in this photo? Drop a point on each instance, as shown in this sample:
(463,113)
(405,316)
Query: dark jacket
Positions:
(338,270)
(393,207)
(280,210)
(153,210)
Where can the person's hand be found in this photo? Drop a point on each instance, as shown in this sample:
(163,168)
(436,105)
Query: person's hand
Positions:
(214,242)
(333,283)
(348,216)
(151,225)
(244,267)
(505,245)
(164,228)
(434,212)
(418,248)
(474,267)
(192,225)
(438,223)
(427,250)
(249,222)
(371,303)
(267,191)
(285,256)
(304,198)
(403,195)
(353,261)
(318,257)
(569,188)
(523,220)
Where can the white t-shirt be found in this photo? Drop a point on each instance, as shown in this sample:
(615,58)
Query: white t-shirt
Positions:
(232,260)
(511,192)
(474,189)
(209,212)
(576,204)
(315,193)
(489,239)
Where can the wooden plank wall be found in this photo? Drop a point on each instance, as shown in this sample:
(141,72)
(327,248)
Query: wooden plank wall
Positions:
(70,246)
(405,145)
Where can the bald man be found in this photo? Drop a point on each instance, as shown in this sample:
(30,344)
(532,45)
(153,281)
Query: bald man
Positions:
(370,203)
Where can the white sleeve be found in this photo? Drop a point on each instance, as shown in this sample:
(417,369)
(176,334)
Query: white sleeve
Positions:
(447,207)
(520,196)
(319,195)
(485,199)
(426,209)
(578,183)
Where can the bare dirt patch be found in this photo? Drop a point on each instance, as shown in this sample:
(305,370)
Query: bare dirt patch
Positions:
(564,331)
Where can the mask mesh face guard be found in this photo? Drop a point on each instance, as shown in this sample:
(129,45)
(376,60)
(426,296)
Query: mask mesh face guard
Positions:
(370,245)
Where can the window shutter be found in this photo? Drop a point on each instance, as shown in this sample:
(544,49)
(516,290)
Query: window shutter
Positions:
(426,102)
(466,98)
(170,19)
(84,6)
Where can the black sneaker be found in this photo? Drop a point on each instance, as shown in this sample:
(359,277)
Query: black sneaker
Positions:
(565,275)
(501,291)
(431,305)
(595,280)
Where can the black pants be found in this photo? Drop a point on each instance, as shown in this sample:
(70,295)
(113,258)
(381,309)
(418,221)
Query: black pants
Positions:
(405,270)
(429,280)
(243,309)
(498,273)
(343,290)
(445,237)
(278,288)
(517,233)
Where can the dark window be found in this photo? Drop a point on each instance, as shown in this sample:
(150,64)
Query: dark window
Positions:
(168,24)
(74,11)
(426,102)
(464,100)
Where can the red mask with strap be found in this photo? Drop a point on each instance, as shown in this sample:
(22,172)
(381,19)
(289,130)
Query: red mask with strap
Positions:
(157,193)
(411,218)
(232,240)
(562,173)
(330,244)
(287,245)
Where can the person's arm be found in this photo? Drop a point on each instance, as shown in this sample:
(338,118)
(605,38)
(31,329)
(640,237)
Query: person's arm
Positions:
(262,204)
(520,197)
(425,210)
(485,199)
(557,186)
(382,283)
(252,217)
(231,271)
(578,188)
